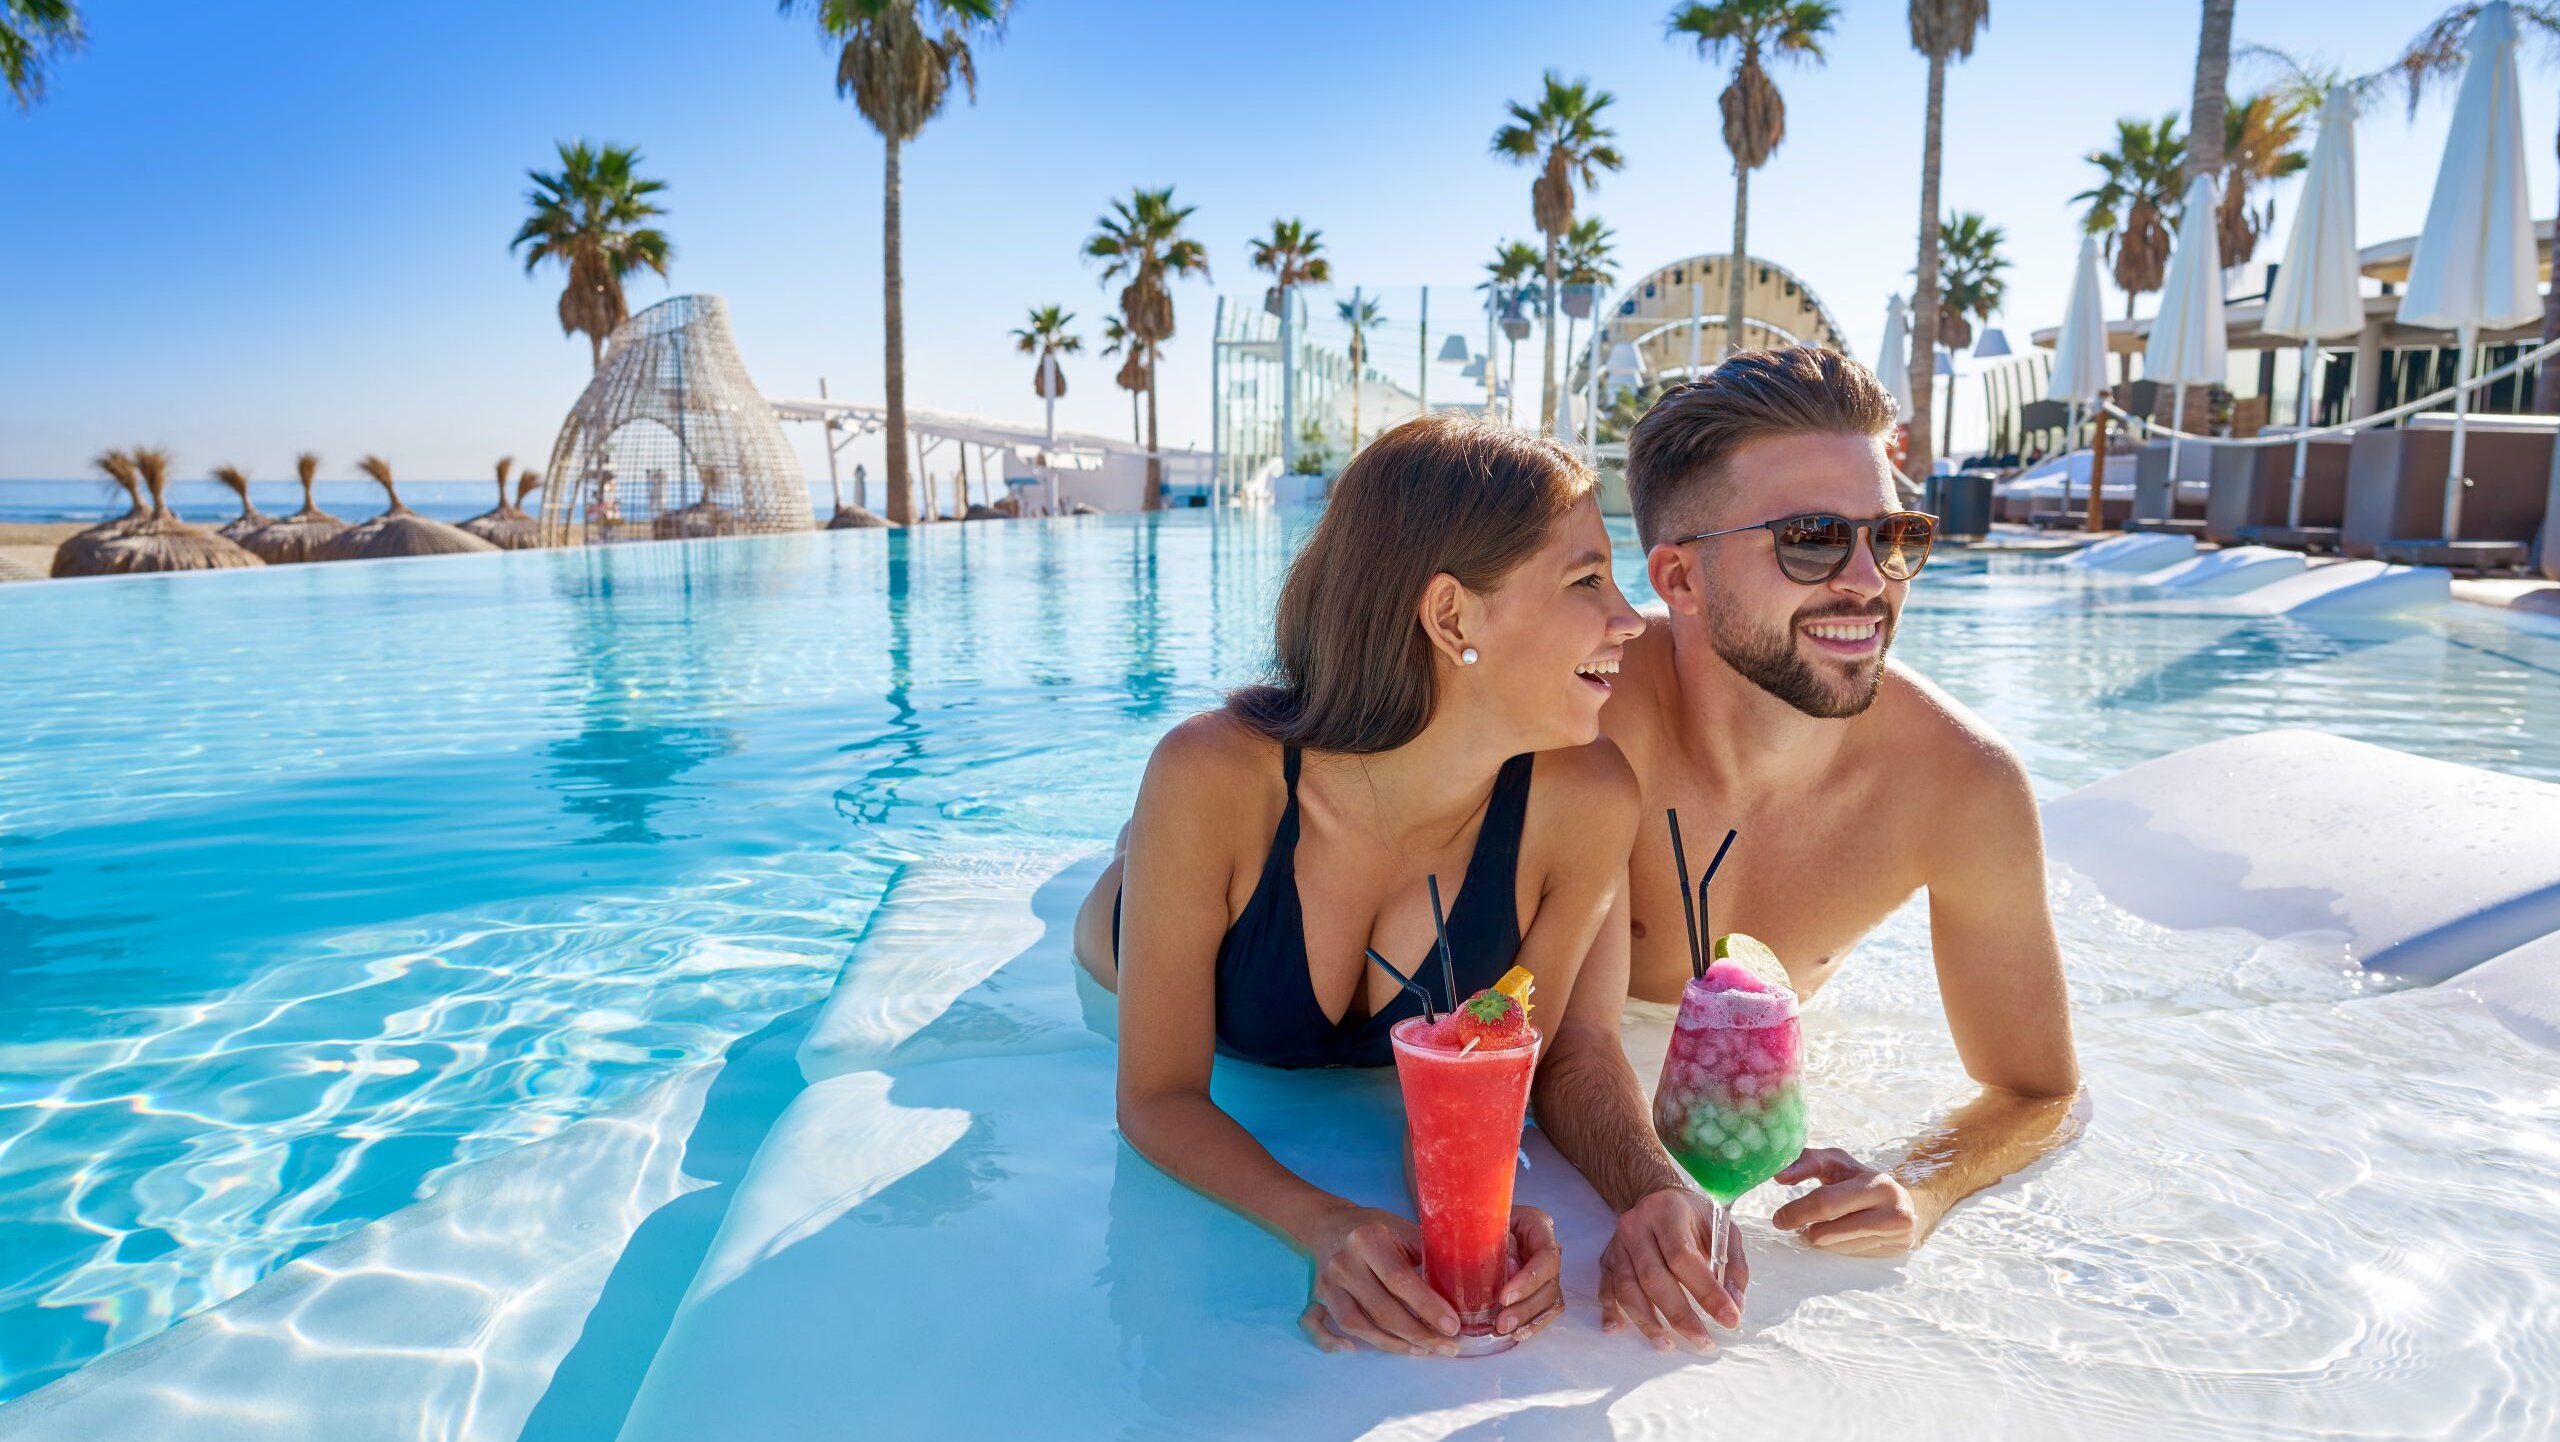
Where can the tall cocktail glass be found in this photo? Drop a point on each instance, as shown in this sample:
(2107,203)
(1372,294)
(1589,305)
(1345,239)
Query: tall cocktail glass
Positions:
(1463,1110)
(1730,1106)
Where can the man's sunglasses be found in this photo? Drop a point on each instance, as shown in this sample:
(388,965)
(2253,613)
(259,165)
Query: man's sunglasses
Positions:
(1813,549)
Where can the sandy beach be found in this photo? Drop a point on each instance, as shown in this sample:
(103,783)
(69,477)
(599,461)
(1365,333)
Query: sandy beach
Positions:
(26,547)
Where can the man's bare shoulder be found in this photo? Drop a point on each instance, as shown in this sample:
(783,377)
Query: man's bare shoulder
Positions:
(1958,752)
(1647,683)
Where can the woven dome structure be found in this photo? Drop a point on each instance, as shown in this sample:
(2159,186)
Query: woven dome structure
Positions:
(671,440)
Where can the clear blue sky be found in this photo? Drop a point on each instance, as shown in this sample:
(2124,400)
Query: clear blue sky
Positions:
(246,232)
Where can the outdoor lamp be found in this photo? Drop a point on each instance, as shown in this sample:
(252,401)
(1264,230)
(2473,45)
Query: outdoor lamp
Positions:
(1994,343)
(1454,350)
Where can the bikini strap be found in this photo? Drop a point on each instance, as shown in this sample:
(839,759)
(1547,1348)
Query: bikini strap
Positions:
(1284,838)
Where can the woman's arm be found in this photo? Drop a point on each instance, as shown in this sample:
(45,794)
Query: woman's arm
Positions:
(1184,842)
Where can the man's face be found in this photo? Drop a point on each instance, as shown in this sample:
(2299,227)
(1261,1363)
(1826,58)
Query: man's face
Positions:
(1819,648)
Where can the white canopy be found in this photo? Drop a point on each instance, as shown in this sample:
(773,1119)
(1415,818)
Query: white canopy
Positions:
(1893,363)
(2187,339)
(2080,355)
(2474,263)
(2316,291)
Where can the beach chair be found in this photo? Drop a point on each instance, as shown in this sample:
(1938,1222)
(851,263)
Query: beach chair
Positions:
(2163,507)
(2259,512)
(2395,492)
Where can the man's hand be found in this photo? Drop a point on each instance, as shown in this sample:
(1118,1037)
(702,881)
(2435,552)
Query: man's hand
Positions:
(1657,1264)
(1858,1211)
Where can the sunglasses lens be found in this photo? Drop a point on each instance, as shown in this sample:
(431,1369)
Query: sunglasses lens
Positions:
(1902,544)
(1812,548)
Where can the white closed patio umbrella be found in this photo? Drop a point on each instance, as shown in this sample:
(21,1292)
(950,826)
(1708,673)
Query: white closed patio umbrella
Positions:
(2188,342)
(1893,362)
(2080,370)
(2316,293)
(2474,264)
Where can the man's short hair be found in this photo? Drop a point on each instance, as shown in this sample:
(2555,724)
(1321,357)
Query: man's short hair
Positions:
(1676,454)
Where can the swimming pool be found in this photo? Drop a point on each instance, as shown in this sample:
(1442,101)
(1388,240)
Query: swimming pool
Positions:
(319,885)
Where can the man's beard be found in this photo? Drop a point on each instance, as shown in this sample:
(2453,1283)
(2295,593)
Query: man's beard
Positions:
(1771,661)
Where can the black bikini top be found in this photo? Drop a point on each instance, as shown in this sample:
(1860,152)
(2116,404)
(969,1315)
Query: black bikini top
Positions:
(1267,1007)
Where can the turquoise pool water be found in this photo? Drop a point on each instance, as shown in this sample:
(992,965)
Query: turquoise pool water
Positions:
(321,882)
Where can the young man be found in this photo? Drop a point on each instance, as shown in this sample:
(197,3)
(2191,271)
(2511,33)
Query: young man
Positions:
(1763,701)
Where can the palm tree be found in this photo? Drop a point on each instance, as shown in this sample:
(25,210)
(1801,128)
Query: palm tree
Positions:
(1141,240)
(1046,337)
(1974,289)
(588,217)
(2436,57)
(2261,136)
(1755,114)
(2135,208)
(1563,137)
(1361,315)
(2213,79)
(33,34)
(1508,289)
(1291,255)
(1944,31)
(897,59)
(1582,262)
(1132,375)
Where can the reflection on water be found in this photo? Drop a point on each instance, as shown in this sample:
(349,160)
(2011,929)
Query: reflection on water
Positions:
(318,884)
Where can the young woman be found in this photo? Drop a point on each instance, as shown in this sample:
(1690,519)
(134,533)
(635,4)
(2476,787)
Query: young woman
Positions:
(1446,640)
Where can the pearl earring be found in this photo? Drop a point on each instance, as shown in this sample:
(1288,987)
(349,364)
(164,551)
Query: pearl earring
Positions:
(1467,657)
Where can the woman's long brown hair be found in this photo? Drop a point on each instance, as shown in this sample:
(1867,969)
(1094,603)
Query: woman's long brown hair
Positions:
(1445,493)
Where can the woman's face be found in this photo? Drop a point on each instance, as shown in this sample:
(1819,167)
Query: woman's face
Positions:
(1548,645)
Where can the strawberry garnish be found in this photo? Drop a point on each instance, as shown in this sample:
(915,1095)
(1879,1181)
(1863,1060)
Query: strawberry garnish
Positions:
(1491,1018)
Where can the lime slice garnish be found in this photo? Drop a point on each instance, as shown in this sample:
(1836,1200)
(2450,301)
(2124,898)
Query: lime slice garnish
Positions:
(1753,955)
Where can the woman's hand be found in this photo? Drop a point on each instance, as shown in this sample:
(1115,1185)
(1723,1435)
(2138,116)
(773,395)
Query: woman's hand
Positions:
(1535,1294)
(1369,1288)
(1858,1210)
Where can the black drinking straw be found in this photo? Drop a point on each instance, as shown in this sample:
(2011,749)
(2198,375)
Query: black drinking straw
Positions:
(1408,983)
(1710,876)
(1680,859)
(1440,924)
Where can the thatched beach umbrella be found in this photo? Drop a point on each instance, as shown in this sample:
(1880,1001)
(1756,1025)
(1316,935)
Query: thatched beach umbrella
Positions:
(297,537)
(78,555)
(398,531)
(162,542)
(855,518)
(703,518)
(505,525)
(250,517)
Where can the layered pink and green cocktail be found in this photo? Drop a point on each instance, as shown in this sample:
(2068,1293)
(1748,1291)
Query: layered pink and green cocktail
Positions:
(1466,1094)
(1730,1106)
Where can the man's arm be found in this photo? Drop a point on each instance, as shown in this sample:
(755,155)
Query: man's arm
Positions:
(1654,1274)
(2000,977)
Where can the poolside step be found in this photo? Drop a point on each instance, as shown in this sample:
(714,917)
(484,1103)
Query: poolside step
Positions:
(2350,588)
(2227,572)
(2141,552)
(2422,868)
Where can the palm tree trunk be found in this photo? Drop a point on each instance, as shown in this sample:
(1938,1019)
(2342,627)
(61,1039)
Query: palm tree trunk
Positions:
(595,351)
(2213,78)
(1741,252)
(1547,387)
(1567,427)
(893,368)
(1924,304)
(1155,462)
